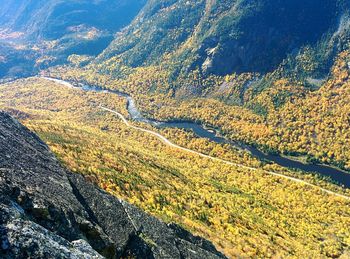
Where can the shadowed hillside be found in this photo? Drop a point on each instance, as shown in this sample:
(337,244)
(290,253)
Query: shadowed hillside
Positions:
(222,37)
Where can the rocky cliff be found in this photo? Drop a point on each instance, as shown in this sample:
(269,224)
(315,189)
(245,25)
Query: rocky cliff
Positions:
(48,212)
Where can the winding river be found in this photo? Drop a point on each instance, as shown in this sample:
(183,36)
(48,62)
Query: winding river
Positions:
(336,175)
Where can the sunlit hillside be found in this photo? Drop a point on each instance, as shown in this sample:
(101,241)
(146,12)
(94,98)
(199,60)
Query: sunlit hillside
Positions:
(225,122)
(244,212)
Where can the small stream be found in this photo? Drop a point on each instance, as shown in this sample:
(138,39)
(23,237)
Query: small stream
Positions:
(336,175)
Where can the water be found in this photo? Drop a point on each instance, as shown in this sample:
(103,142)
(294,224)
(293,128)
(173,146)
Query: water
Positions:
(336,175)
(198,129)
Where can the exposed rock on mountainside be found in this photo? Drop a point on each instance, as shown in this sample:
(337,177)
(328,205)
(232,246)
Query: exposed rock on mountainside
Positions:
(48,212)
(209,37)
(221,37)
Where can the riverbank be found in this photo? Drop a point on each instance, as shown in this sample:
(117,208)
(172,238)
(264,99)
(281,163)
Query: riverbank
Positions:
(336,175)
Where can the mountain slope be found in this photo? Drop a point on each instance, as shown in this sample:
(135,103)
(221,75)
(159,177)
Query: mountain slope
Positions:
(222,37)
(55,18)
(45,33)
(47,211)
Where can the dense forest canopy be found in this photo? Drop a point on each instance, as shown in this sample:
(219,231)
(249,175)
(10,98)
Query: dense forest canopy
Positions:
(269,74)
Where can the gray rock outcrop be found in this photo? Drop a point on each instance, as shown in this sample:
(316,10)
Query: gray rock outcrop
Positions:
(48,212)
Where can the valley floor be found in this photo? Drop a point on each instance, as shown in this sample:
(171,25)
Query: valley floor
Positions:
(251,210)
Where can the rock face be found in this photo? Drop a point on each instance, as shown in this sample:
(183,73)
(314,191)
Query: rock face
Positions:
(224,36)
(48,212)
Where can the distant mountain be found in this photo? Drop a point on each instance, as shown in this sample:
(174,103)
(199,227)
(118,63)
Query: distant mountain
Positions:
(222,37)
(210,37)
(48,212)
(51,30)
(53,19)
